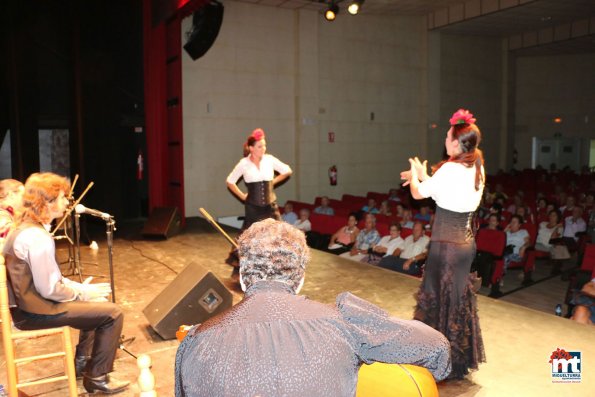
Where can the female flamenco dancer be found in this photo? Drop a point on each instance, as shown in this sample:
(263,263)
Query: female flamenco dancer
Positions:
(258,170)
(446,300)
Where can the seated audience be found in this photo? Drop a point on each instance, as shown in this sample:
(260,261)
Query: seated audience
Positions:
(485,206)
(386,245)
(399,211)
(407,220)
(384,209)
(303,223)
(550,207)
(370,208)
(541,214)
(278,343)
(584,301)
(393,195)
(493,223)
(524,213)
(566,209)
(499,192)
(517,202)
(324,209)
(517,241)
(288,215)
(344,238)
(550,230)
(424,214)
(573,225)
(588,202)
(495,208)
(411,255)
(484,262)
(366,238)
(11,204)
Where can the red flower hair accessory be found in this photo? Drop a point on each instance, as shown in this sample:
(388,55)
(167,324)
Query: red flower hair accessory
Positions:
(462,116)
(258,134)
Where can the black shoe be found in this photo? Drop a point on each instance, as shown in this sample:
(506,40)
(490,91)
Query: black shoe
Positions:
(80,362)
(104,384)
(527,282)
(495,292)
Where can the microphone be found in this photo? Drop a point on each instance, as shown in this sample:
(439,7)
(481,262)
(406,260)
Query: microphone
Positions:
(81,209)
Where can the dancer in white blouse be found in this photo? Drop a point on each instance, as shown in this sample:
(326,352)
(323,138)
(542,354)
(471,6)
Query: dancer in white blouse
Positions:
(446,300)
(258,170)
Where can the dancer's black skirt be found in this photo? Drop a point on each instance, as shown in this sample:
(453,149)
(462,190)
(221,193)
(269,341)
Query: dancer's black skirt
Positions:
(445,300)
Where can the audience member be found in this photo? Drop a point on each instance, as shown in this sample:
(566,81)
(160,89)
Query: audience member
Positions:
(393,195)
(288,215)
(550,207)
(324,208)
(550,230)
(566,209)
(541,214)
(517,241)
(484,208)
(499,192)
(366,238)
(344,238)
(562,197)
(495,208)
(11,204)
(584,301)
(278,343)
(384,209)
(424,214)
(303,223)
(399,210)
(407,220)
(588,202)
(370,208)
(484,262)
(517,202)
(573,225)
(410,256)
(524,213)
(386,245)
(493,222)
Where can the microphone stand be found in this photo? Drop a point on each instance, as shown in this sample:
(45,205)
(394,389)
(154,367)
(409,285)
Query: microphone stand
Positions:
(77,248)
(110,224)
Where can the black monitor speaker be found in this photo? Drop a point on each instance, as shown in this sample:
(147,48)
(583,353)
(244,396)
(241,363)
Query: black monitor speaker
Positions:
(206,23)
(192,297)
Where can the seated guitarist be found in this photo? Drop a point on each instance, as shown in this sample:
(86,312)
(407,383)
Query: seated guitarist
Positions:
(278,343)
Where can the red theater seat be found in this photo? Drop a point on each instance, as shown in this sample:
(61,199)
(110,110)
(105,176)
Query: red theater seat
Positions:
(494,242)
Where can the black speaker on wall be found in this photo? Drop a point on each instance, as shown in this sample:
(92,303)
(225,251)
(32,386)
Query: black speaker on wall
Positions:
(164,222)
(192,297)
(206,23)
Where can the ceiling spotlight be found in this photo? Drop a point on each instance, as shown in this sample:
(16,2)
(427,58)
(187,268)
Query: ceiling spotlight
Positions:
(331,13)
(355,6)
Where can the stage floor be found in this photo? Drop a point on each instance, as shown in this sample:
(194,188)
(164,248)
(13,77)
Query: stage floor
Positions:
(518,340)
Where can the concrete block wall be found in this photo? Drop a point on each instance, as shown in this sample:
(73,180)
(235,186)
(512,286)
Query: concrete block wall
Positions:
(299,77)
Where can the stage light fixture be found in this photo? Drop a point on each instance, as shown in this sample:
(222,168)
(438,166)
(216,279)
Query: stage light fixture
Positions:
(331,13)
(355,6)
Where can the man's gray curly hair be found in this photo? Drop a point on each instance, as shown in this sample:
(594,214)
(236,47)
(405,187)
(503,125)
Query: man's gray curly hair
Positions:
(273,250)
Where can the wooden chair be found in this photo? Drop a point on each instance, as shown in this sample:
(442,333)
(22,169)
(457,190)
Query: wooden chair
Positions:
(9,335)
